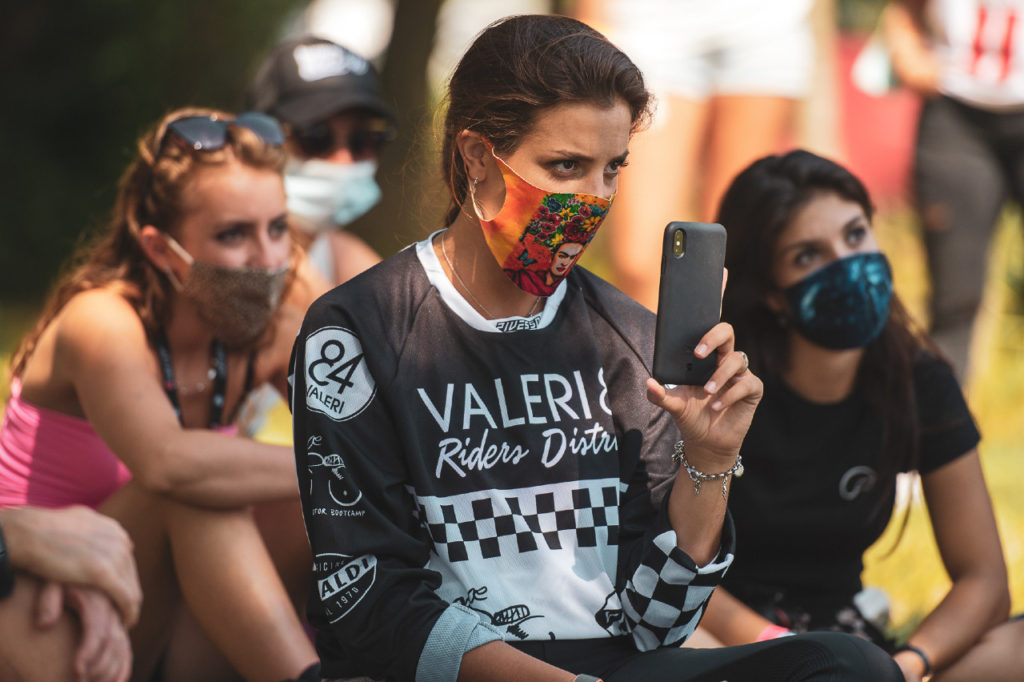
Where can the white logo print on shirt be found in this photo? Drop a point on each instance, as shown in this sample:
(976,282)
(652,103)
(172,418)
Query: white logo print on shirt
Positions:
(338,383)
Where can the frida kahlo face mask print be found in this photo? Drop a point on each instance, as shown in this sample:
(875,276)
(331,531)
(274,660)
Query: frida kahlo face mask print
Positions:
(538,235)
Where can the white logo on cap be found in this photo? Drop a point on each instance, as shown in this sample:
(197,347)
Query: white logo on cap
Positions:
(322,60)
(338,382)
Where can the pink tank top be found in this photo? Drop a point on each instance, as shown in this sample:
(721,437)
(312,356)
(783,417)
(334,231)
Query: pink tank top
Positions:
(50,459)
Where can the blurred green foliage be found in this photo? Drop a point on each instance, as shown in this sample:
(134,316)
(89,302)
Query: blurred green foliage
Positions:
(80,82)
(858,16)
(83,80)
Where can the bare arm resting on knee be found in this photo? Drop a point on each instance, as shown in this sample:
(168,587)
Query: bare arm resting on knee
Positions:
(78,546)
(85,562)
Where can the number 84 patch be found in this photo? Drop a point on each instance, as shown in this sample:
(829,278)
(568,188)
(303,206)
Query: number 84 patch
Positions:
(338,383)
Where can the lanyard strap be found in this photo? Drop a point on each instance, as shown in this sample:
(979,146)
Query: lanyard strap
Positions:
(6,570)
(220,378)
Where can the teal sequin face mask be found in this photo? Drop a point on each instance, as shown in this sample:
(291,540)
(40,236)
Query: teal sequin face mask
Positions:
(844,304)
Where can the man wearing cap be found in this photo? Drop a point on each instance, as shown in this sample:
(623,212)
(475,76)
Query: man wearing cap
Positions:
(329,99)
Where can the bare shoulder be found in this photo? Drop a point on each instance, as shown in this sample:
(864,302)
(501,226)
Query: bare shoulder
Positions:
(307,286)
(352,255)
(100,339)
(99,321)
(275,355)
(93,333)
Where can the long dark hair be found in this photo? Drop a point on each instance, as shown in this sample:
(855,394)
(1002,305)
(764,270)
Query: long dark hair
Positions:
(757,207)
(518,67)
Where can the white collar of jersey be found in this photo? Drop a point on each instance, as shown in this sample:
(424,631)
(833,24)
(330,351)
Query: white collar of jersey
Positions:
(461,307)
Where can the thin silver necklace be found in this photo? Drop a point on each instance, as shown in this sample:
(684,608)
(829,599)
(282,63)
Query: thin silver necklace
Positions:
(469,291)
(200,386)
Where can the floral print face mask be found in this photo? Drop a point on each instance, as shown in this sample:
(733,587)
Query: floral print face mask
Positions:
(538,236)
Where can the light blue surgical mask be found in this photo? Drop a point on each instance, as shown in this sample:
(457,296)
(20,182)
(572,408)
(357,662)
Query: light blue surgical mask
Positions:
(330,194)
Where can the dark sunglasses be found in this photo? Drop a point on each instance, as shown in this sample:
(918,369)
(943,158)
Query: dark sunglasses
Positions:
(317,140)
(207,133)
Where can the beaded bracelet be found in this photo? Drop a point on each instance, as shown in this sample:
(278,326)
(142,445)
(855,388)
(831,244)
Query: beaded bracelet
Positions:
(699,477)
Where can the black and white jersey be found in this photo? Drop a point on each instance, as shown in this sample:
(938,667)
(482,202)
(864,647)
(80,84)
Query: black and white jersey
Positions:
(465,480)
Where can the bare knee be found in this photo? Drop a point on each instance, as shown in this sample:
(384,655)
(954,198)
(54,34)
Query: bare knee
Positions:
(28,652)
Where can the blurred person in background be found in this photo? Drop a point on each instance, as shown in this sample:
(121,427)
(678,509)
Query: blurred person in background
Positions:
(966,59)
(123,398)
(854,395)
(336,122)
(69,592)
(728,76)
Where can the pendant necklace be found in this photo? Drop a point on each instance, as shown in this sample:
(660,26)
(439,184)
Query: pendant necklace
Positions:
(199,386)
(219,378)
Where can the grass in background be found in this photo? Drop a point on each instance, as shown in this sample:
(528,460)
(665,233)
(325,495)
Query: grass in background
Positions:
(15,321)
(912,574)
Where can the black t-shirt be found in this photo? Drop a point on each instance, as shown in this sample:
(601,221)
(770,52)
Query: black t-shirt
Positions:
(810,502)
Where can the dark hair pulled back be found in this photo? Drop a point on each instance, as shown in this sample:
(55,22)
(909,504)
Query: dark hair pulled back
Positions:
(521,65)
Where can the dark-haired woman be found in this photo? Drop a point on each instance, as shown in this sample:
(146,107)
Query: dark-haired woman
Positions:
(123,396)
(853,396)
(487,493)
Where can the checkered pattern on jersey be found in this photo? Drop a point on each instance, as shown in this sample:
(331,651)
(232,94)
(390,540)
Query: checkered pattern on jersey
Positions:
(666,595)
(508,522)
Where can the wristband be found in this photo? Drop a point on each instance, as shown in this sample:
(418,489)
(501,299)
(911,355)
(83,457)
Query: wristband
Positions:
(6,572)
(923,655)
(773,632)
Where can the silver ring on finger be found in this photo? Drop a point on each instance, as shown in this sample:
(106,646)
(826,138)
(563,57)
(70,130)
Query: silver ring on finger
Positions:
(746,361)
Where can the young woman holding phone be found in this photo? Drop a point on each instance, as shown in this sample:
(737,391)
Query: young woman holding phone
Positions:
(487,492)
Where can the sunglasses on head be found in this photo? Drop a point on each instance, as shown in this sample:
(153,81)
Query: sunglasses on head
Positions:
(317,140)
(209,133)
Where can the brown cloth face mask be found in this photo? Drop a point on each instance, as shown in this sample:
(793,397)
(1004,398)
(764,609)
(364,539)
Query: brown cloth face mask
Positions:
(235,303)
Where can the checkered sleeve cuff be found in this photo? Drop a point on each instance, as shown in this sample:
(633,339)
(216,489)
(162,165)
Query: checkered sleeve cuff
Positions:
(457,631)
(667,594)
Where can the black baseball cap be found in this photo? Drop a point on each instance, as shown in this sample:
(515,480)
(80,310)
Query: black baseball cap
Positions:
(310,79)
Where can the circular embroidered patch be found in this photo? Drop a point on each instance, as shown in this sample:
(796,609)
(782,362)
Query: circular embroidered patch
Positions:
(338,382)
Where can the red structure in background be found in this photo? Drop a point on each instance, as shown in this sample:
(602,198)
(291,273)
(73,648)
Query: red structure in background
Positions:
(876,133)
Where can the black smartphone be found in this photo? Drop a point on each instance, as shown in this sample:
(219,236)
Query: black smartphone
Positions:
(689,301)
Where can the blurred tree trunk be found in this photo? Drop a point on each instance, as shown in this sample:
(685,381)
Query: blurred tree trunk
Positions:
(408,173)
